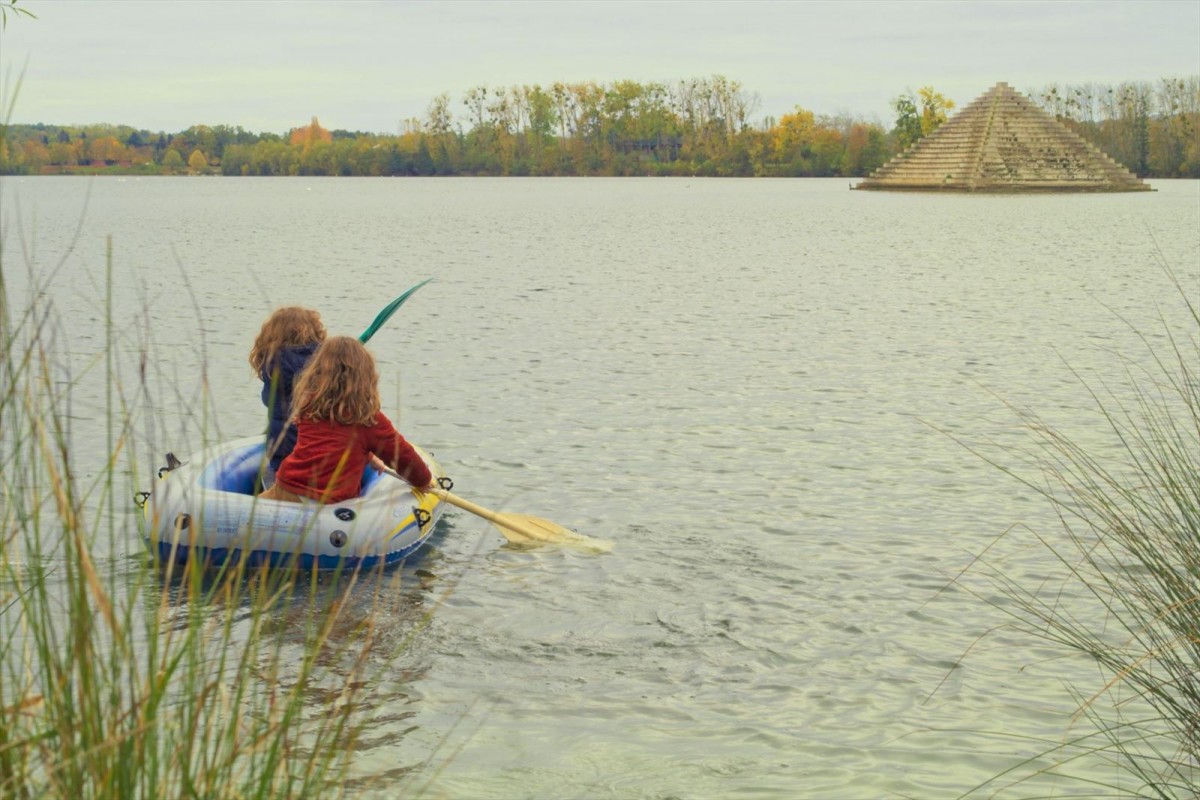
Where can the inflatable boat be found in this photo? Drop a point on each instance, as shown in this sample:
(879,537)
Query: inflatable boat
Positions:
(206,508)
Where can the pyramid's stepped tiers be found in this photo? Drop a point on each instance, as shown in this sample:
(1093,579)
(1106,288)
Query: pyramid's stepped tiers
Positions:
(1001,142)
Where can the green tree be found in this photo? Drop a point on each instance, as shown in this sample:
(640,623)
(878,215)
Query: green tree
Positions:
(828,147)
(236,160)
(919,115)
(423,161)
(538,112)
(316,157)
(866,149)
(908,121)
(172,161)
(1134,99)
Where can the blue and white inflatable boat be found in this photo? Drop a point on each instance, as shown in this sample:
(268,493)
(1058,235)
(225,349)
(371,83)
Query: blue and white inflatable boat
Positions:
(205,508)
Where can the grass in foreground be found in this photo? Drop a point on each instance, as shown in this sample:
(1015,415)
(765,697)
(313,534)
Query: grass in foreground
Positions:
(1126,593)
(118,679)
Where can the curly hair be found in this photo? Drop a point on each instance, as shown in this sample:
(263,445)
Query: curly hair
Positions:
(339,383)
(290,326)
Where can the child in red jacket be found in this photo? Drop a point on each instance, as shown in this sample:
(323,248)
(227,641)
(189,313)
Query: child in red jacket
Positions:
(339,427)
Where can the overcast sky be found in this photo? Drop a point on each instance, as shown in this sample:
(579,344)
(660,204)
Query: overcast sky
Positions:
(271,65)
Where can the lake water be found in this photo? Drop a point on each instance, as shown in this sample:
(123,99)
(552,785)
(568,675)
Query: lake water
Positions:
(752,387)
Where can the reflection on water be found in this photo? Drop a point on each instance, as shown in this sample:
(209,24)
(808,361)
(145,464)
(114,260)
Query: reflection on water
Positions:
(754,388)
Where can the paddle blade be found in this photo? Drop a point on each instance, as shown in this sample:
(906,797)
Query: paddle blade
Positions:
(387,312)
(524,529)
(535,530)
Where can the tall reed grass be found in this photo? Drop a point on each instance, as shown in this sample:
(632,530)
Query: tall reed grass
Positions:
(119,678)
(1126,591)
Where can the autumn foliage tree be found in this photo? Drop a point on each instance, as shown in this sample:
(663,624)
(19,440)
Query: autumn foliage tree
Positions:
(934,106)
(306,137)
(919,115)
(197,162)
(107,150)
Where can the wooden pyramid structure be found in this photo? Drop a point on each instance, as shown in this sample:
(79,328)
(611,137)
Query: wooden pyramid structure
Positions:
(1002,142)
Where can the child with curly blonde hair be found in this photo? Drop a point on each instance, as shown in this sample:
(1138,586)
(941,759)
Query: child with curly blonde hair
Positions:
(287,340)
(340,429)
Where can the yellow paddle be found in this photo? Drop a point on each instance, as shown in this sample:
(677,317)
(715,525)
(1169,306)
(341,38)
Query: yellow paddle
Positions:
(525,529)
(520,528)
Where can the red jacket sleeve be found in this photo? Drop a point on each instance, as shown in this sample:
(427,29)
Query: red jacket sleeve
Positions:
(387,443)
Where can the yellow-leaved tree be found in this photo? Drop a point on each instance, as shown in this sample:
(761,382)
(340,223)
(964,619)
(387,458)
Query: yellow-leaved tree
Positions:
(793,134)
(197,162)
(934,106)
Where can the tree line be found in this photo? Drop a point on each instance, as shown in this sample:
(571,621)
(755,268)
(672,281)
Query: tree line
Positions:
(1151,128)
(696,127)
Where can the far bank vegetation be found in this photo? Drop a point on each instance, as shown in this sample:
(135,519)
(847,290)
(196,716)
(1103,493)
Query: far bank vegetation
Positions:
(696,127)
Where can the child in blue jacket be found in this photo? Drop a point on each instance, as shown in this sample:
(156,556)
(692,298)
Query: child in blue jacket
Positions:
(286,342)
